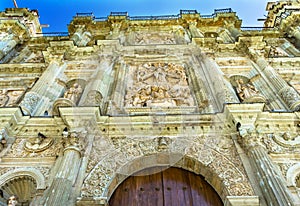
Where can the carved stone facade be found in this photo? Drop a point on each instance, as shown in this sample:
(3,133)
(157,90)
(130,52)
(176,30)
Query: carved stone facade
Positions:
(80,113)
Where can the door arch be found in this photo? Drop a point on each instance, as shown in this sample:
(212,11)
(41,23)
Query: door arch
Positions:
(165,187)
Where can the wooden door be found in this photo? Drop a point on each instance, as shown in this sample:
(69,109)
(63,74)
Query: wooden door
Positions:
(166,187)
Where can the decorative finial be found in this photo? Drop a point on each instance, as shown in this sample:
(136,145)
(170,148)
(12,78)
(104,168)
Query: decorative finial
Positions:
(15,3)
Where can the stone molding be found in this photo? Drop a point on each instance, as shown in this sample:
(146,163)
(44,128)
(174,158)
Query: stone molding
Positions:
(32,172)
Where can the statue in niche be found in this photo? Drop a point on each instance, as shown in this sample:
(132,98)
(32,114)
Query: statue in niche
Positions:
(245,90)
(4,98)
(74,93)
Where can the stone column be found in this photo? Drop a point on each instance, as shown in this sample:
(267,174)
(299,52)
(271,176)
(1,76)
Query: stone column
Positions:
(295,33)
(9,41)
(226,37)
(269,177)
(194,30)
(44,92)
(98,85)
(81,37)
(285,91)
(235,33)
(61,187)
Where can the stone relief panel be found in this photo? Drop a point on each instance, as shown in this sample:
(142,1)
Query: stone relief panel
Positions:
(154,37)
(10,98)
(277,52)
(158,85)
(216,154)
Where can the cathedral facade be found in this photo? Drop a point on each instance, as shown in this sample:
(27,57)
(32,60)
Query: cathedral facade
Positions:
(184,109)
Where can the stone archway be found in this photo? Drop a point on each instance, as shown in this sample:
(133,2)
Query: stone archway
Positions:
(165,186)
(221,166)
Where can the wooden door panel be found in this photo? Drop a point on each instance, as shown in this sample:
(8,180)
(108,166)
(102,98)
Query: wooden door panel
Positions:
(165,187)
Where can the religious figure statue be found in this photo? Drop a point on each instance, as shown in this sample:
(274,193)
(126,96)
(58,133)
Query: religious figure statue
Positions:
(3,138)
(73,93)
(3,98)
(12,200)
(245,90)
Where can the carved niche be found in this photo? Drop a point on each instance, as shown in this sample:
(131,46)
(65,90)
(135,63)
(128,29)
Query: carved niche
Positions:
(245,90)
(71,96)
(158,85)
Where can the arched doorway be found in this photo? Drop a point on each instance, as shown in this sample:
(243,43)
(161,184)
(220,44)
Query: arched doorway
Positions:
(165,187)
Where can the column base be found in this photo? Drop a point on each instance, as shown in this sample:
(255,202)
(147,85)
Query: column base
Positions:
(242,200)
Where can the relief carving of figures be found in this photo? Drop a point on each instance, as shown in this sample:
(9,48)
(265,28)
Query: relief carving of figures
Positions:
(142,38)
(34,147)
(38,143)
(74,93)
(93,98)
(159,84)
(10,98)
(286,141)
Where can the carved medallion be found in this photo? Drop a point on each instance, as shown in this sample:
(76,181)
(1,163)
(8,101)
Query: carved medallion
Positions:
(38,144)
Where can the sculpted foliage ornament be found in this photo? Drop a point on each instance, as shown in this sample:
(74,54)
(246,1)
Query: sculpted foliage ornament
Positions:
(218,154)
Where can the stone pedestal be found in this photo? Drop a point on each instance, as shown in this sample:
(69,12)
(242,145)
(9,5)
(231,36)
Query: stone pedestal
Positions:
(242,200)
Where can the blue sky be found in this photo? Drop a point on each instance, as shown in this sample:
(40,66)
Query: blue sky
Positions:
(59,13)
